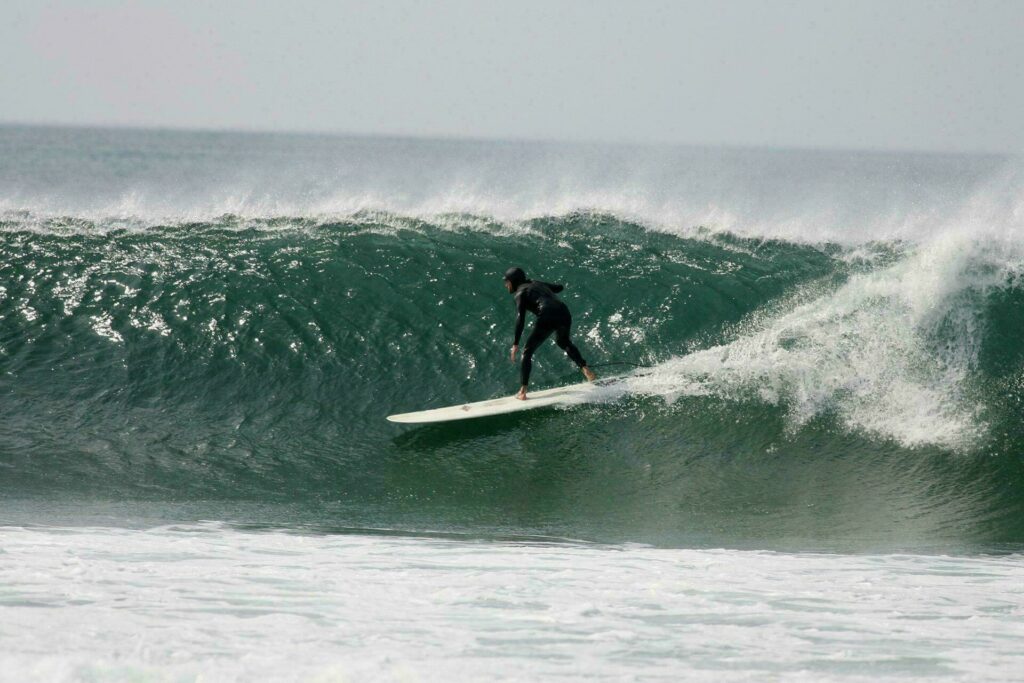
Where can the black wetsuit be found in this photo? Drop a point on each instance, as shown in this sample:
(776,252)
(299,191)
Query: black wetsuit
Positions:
(552,316)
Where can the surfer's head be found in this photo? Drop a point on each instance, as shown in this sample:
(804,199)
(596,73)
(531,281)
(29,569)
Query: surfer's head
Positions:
(513,278)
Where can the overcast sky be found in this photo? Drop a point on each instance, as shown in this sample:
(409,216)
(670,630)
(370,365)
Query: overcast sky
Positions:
(860,74)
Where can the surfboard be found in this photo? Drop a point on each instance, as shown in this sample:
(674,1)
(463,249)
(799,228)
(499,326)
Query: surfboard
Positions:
(566,395)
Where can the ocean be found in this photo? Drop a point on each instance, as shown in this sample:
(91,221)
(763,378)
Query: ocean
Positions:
(812,469)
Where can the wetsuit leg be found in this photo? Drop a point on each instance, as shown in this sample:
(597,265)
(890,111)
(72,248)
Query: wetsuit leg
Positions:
(541,331)
(564,343)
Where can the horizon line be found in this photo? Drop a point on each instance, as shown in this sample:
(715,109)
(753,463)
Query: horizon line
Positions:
(440,137)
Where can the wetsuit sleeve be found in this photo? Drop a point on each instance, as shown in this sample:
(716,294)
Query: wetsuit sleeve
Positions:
(520,318)
(554,287)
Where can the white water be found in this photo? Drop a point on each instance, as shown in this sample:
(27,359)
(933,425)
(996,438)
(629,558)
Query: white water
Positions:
(208,602)
(890,352)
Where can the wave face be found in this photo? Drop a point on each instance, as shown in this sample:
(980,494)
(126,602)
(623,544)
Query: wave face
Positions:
(811,381)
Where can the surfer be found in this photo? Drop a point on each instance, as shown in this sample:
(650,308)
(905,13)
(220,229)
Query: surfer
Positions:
(552,316)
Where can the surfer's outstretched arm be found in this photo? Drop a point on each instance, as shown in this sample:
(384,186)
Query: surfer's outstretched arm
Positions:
(520,324)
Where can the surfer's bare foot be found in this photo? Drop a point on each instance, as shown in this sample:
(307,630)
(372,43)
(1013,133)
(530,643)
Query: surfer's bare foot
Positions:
(522,394)
(589,374)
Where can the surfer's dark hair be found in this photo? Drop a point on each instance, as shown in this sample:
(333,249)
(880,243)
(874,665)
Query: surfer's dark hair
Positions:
(515,276)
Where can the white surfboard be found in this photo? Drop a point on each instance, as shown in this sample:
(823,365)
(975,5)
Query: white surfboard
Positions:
(567,395)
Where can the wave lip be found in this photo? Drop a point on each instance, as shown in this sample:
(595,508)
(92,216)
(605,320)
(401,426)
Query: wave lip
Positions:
(155,178)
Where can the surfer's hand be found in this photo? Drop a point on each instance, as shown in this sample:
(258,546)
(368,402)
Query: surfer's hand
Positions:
(515,350)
